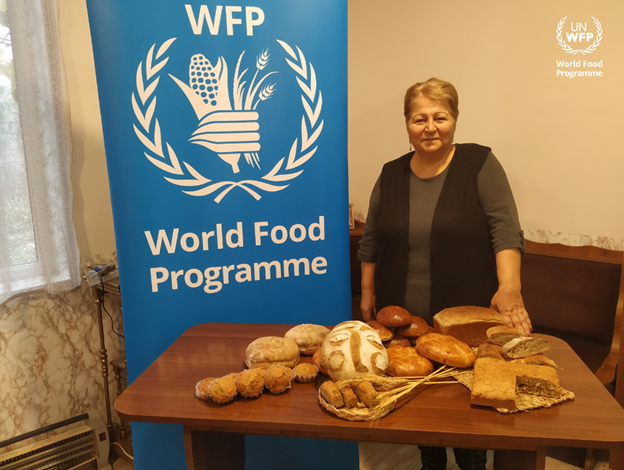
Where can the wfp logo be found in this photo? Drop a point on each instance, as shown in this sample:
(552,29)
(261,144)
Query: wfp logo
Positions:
(578,34)
(225,129)
(227,126)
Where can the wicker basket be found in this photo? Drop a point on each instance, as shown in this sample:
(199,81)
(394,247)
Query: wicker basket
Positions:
(389,391)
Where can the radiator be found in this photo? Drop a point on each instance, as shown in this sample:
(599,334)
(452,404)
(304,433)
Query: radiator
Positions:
(72,449)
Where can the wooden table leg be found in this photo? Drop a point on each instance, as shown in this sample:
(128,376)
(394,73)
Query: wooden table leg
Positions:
(616,458)
(518,460)
(207,450)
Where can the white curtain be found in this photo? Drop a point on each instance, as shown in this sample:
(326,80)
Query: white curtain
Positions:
(38,248)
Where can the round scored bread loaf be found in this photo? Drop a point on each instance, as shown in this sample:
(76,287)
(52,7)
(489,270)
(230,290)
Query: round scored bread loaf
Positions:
(416,328)
(308,337)
(407,362)
(446,350)
(468,324)
(270,350)
(393,316)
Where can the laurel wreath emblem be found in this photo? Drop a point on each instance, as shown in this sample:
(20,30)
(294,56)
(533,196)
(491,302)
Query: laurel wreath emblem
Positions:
(590,49)
(196,184)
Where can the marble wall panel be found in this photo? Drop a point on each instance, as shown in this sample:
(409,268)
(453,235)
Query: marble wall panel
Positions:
(50,367)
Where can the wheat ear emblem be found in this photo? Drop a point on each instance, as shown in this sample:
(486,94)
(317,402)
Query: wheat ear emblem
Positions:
(590,49)
(228,127)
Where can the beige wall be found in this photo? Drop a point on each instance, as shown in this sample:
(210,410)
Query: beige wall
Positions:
(92,207)
(557,138)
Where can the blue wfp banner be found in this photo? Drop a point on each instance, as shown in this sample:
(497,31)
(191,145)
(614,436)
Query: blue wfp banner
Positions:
(226,140)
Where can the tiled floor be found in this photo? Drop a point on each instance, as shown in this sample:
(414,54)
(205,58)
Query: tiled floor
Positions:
(394,457)
(375,456)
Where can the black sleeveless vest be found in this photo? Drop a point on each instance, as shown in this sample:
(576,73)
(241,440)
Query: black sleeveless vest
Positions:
(463,265)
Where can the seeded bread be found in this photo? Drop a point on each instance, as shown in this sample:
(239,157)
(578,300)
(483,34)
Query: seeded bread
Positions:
(523,347)
(496,383)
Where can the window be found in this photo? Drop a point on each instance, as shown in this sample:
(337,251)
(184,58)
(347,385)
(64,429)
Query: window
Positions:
(37,241)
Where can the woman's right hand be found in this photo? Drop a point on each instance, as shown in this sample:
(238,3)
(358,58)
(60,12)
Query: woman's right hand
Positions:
(367,305)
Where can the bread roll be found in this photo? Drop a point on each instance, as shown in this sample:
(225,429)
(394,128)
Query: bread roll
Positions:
(308,337)
(398,341)
(348,395)
(278,378)
(503,334)
(305,373)
(384,333)
(331,394)
(416,328)
(489,350)
(366,393)
(249,383)
(523,347)
(407,362)
(446,350)
(468,324)
(270,350)
(316,360)
(393,315)
(222,390)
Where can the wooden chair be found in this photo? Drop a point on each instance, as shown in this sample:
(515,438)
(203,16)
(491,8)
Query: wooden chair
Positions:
(575,293)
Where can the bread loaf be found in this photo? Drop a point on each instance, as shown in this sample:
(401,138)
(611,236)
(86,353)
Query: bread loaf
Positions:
(468,324)
(331,394)
(308,337)
(384,333)
(523,347)
(269,350)
(348,395)
(416,328)
(496,383)
(501,335)
(489,350)
(407,362)
(393,316)
(446,350)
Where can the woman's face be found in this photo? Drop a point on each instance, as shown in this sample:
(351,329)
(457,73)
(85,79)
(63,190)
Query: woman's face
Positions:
(430,127)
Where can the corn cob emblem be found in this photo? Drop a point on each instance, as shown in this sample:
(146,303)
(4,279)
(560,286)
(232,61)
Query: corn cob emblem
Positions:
(226,129)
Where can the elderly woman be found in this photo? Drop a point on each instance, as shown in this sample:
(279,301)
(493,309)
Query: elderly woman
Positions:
(442,230)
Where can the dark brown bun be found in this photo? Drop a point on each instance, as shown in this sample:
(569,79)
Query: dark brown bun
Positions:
(398,341)
(468,324)
(407,362)
(393,316)
(416,328)
(446,350)
(384,333)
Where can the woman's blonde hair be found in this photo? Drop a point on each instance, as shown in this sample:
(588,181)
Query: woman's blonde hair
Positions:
(436,90)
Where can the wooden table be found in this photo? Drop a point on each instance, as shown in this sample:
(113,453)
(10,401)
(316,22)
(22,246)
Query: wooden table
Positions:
(440,415)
